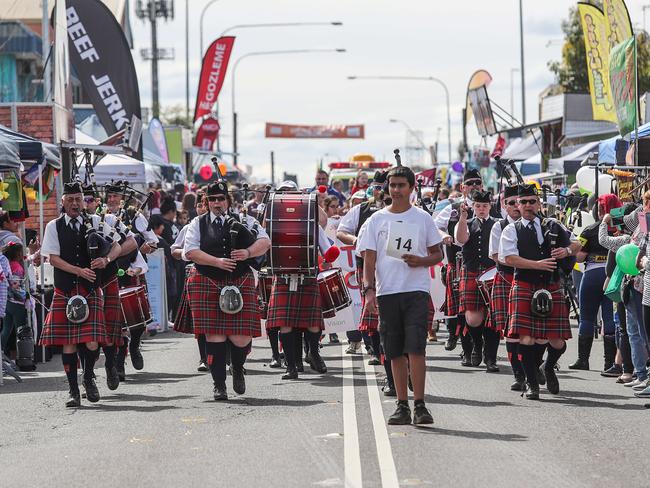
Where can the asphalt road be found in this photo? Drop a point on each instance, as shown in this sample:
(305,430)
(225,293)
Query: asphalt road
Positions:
(161,428)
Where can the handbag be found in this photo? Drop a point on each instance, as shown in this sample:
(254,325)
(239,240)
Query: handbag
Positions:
(613,286)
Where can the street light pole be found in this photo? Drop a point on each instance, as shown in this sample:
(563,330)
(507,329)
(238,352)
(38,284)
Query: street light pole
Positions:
(418,78)
(187,61)
(413,133)
(512,95)
(233,78)
(201,26)
(521,68)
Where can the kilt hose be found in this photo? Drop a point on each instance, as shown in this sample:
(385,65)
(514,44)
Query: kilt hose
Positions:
(183,319)
(300,309)
(59,331)
(470,296)
(113,316)
(207,317)
(523,323)
(450,306)
(369,322)
(499,302)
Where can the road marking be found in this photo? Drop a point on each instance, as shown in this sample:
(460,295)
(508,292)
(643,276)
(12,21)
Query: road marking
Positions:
(351,453)
(384,452)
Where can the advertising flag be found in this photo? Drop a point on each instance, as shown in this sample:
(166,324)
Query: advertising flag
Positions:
(315,131)
(618,25)
(213,72)
(597,50)
(207,133)
(157,132)
(100,54)
(622,75)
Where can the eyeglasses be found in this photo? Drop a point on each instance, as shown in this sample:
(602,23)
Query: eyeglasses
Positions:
(472,183)
(217,198)
(89,199)
(525,201)
(376,187)
(511,202)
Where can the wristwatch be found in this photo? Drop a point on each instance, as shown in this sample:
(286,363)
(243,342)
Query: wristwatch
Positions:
(364,289)
(108,259)
(569,251)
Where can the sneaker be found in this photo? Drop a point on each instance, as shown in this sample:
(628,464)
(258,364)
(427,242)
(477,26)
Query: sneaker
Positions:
(643,393)
(634,382)
(613,372)
(421,414)
(203,367)
(389,390)
(625,378)
(642,386)
(334,339)
(374,361)
(432,336)
(401,415)
(353,348)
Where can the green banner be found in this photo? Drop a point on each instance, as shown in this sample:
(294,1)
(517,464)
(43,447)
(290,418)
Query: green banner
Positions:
(622,75)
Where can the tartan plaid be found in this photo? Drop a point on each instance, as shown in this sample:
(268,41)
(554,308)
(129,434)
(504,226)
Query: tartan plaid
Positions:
(300,309)
(368,322)
(499,301)
(183,321)
(207,317)
(470,296)
(523,323)
(113,316)
(450,307)
(58,331)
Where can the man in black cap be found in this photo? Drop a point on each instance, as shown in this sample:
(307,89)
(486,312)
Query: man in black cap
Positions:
(222,257)
(65,242)
(446,222)
(538,311)
(474,236)
(503,284)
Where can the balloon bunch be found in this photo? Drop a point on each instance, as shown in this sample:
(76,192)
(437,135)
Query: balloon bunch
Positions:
(4,194)
(586,179)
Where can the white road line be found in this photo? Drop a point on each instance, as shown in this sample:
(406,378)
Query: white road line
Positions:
(351,453)
(384,452)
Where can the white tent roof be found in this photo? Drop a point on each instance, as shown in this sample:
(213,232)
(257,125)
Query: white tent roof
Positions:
(522,148)
(557,164)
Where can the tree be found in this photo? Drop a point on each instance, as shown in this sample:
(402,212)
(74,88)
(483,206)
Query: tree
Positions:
(571,72)
(174,115)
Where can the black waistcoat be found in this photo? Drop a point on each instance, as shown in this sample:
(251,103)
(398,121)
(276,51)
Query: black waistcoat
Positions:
(502,267)
(476,250)
(217,244)
(73,250)
(366,209)
(452,250)
(530,248)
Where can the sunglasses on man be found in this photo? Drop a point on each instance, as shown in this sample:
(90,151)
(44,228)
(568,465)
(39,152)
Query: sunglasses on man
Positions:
(510,203)
(473,183)
(217,198)
(89,199)
(526,201)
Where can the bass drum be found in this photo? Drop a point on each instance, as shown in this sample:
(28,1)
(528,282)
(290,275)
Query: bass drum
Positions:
(292,223)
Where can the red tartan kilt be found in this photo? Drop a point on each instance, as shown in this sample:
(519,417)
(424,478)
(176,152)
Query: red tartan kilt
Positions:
(207,317)
(183,319)
(58,331)
(450,307)
(113,312)
(499,301)
(523,323)
(369,322)
(470,296)
(300,309)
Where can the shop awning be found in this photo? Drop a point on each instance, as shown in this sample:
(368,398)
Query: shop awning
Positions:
(30,149)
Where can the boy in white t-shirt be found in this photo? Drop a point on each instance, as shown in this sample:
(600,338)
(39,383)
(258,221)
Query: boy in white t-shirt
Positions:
(399,243)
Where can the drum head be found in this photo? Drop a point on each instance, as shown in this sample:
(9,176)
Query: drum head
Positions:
(129,291)
(323,275)
(488,275)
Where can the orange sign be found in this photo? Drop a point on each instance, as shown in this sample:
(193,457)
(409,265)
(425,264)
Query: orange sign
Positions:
(315,131)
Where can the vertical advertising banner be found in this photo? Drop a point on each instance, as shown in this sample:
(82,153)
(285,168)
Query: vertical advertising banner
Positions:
(213,72)
(157,132)
(207,133)
(622,74)
(597,51)
(618,26)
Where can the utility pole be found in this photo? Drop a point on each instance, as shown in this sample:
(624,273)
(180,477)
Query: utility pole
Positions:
(187,61)
(521,68)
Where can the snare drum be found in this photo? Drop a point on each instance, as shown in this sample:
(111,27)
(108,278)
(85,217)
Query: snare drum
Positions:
(292,224)
(135,307)
(485,282)
(334,295)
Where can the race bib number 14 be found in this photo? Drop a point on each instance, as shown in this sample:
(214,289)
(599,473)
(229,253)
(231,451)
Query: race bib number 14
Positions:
(402,239)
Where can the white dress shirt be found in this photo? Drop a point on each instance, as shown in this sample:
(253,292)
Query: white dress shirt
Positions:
(51,236)
(495,237)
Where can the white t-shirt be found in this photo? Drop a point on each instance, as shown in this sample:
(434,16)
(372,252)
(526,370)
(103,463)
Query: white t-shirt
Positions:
(393,275)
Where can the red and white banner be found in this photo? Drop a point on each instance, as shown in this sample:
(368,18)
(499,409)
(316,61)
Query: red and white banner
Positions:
(213,72)
(315,131)
(207,133)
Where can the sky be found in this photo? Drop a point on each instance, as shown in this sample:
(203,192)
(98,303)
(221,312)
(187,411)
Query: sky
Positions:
(445,39)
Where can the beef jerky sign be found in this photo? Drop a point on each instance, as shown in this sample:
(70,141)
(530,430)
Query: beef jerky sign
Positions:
(102,59)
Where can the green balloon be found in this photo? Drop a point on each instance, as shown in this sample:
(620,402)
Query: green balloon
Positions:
(626,259)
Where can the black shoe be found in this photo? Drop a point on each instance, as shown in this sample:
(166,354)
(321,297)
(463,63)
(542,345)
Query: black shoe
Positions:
(389,390)
(614,371)
(552,383)
(334,339)
(238,381)
(421,414)
(450,345)
(136,359)
(112,378)
(300,367)
(308,358)
(92,393)
(541,377)
(401,415)
(74,400)
(580,364)
(374,361)
(291,374)
(203,367)
(518,385)
(532,392)
(317,364)
(120,371)
(220,393)
(466,361)
(275,363)
(477,357)
(491,367)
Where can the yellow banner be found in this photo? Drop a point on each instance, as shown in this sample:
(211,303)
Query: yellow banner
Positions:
(617,20)
(597,50)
